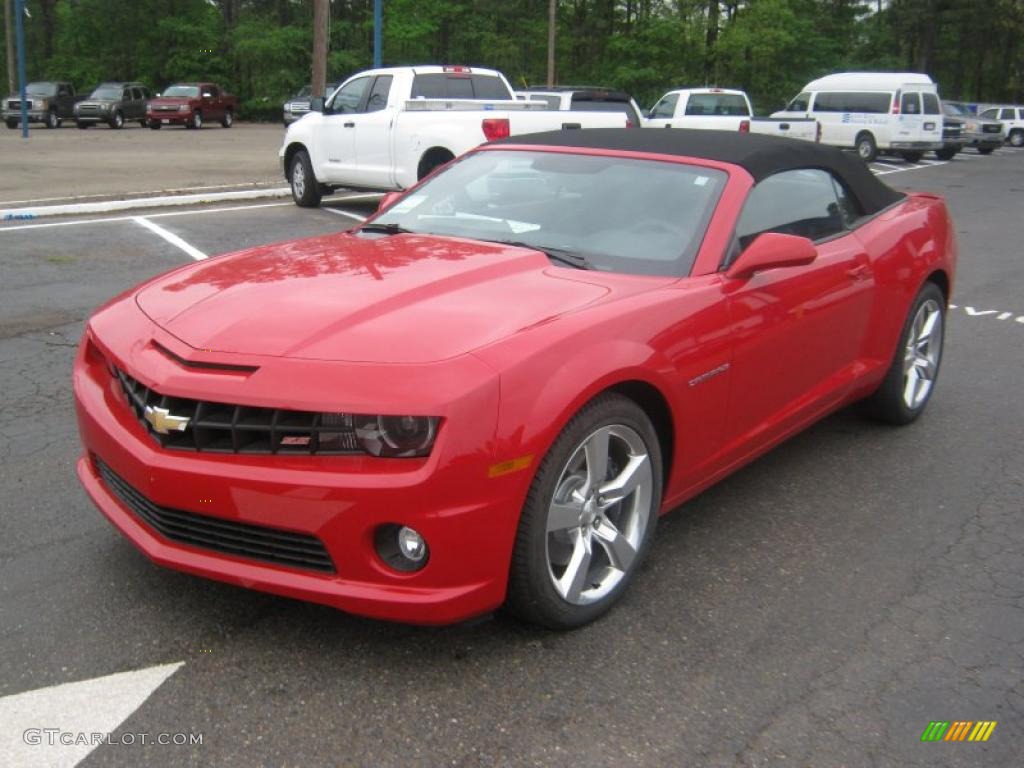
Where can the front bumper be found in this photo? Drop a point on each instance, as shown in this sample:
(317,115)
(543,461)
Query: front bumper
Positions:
(984,140)
(168,118)
(34,115)
(467,518)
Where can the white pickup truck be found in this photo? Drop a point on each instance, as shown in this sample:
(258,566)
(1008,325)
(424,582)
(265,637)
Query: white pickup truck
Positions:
(385,129)
(723,110)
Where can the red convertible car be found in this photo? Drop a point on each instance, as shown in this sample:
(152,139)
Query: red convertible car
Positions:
(487,394)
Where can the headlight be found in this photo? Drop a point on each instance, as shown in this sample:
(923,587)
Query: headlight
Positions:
(104,107)
(396,436)
(37,104)
(184,108)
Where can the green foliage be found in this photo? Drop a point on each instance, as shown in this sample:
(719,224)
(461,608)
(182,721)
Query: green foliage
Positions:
(261,49)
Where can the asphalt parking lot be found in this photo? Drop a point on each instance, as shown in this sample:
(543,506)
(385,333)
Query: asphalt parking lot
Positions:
(819,608)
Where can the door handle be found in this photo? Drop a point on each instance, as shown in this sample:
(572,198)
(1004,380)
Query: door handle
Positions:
(860,272)
(783,126)
(350,125)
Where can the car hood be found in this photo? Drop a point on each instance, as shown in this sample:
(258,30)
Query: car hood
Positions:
(397,299)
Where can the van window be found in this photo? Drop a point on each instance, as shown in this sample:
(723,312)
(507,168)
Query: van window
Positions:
(666,107)
(799,104)
(731,104)
(931,103)
(910,104)
(802,203)
(874,102)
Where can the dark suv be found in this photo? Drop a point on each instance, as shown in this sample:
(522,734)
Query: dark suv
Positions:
(113,104)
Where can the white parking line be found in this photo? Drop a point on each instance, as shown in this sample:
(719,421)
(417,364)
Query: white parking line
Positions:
(150,193)
(912,168)
(170,237)
(345,213)
(991,314)
(60,725)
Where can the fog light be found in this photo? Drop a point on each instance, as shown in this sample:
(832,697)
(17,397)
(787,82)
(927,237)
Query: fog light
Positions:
(401,547)
(411,544)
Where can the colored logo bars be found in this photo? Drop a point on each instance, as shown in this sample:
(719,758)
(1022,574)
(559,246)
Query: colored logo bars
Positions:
(958,730)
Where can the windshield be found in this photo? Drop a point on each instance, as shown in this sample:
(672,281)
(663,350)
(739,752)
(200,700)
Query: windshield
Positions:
(41,89)
(106,92)
(619,215)
(186,91)
(958,110)
(304,92)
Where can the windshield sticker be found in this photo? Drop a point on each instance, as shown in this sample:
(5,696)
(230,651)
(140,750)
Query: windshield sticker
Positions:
(700,181)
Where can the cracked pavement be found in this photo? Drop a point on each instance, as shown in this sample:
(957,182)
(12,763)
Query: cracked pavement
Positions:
(818,608)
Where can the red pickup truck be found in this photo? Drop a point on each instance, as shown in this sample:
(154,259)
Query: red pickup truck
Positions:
(191,104)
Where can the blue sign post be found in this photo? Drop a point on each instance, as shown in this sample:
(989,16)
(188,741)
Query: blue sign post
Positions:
(19,20)
(377,21)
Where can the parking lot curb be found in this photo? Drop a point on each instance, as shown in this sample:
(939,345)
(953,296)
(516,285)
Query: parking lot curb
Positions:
(161,201)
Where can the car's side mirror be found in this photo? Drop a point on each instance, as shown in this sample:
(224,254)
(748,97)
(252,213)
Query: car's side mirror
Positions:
(771,250)
(317,104)
(159,94)
(207,95)
(387,200)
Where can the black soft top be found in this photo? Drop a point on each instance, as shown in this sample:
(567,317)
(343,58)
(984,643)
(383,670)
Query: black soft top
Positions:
(761,156)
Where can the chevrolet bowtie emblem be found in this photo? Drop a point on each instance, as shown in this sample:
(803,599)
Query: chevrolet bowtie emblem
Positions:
(161,420)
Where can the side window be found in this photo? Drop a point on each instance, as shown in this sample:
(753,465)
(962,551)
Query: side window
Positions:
(379,94)
(348,98)
(1008,114)
(849,209)
(666,107)
(800,103)
(63,91)
(991,114)
(802,203)
(212,90)
(910,104)
(931,103)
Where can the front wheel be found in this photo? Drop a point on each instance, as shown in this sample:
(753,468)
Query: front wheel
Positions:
(305,189)
(910,381)
(228,120)
(117,120)
(589,517)
(52,121)
(866,147)
(196,122)
(12,124)
(986,150)
(945,154)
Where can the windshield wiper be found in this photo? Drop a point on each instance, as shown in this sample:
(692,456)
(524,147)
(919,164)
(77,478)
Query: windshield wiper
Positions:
(387,229)
(562,255)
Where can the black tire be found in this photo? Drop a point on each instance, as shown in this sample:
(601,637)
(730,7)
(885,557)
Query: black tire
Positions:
(913,157)
(228,120)
(143,123)
(196,122)
(986,150)
(116,120)
(305,188)
(532,595)
(866,147)
(1016,138)
(946,154)
(82,124)
(52,121)
(154,125)
(888,403)
(12,124)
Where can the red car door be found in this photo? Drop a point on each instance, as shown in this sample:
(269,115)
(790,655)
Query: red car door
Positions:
(797,331)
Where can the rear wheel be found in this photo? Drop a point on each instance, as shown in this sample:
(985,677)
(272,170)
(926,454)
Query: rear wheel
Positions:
(946,154)
(910,381)
(228,120)
(1017,138)
(305,189)
(589,517)
(913,157)
(866,147)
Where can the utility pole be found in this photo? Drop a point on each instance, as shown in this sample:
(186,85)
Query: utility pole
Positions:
(320,11)
(19,25)
(9,40)
(552,17)
(378,22)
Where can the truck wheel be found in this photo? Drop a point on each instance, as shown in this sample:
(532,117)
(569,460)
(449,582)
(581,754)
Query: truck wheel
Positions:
(52,121)
(196,122)
(431,160)
(946,154)
(305,188)
(986,150)
(1016,138)
(154,125)
(117,120)
(12,124)
(82,124)
(143,123)
(866,147)
(228,120)
(912,157)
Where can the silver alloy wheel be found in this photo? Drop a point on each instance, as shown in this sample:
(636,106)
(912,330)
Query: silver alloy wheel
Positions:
(864,150)
(298,179)
(604,496)
(52,120)
(197,120)
(1017,139)
(228,119)
(118,120)
(921,354)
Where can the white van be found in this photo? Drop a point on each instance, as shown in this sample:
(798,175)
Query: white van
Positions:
(894,112)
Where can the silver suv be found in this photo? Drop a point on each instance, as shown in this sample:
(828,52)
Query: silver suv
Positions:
(983,134)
